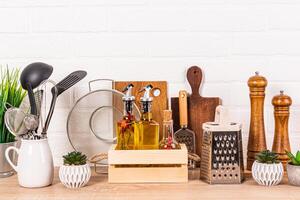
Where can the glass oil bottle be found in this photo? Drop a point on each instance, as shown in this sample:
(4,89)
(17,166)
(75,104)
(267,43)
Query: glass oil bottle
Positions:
(148,128)
(168,141)
(127,130)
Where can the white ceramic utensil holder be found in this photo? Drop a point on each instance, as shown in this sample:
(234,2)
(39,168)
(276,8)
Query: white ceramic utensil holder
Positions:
(267,174)
(75,176)
(35,165)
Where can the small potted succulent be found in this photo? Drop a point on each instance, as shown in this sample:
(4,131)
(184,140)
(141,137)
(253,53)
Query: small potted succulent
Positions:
(267,170)
(75,172)
(293,168)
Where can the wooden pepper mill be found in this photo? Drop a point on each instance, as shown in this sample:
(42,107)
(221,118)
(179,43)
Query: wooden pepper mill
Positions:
(281,141)
(257,139)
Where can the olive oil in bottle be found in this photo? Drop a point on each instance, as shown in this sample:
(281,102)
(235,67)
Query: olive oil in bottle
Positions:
(168,141)
(148,128)
(127,129)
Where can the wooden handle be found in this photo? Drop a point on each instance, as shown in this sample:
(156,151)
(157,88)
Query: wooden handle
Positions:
(194,76)
(183,108)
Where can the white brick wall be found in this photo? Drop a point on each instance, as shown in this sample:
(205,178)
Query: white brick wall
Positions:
(121,39)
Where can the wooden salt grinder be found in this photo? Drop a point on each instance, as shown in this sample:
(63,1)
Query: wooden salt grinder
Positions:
(281,141)
(257,139)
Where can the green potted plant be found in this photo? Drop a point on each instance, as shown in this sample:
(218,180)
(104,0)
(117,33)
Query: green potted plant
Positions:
(11,94)
(293,168)
(266,169)
(75,172)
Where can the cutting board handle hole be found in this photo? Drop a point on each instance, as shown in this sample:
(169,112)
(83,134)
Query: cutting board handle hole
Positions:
(156,92)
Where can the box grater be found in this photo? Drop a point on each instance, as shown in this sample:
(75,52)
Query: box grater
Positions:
(222,152)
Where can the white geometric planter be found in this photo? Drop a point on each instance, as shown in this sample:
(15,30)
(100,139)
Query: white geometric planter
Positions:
(267,174)
(75,176)
(293,173)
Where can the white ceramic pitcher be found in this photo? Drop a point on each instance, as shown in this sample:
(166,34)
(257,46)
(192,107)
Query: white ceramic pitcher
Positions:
(35,163)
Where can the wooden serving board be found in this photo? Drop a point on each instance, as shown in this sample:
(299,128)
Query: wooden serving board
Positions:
(160,102)
(200,109)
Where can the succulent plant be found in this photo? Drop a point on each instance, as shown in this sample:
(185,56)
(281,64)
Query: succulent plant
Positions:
(75,158)
(267,157)
(294,160)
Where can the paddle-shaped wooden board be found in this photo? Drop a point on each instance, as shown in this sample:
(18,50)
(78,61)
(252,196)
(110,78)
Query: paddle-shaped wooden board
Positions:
(200,109)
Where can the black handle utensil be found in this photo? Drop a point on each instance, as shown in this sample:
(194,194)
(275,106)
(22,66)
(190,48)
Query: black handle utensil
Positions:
(58,89)
(31,77)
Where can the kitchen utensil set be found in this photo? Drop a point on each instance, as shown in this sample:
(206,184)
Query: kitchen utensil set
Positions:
(23,123)
(201,124)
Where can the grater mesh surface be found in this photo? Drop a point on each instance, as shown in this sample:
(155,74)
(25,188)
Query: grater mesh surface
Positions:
(222,157)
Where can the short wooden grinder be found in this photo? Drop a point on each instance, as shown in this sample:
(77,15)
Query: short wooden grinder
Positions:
(281,141)
(257,139)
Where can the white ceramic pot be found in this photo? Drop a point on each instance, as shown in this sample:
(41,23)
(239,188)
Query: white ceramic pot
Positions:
(267,174)
(35,164)
(293,173)
(75,176)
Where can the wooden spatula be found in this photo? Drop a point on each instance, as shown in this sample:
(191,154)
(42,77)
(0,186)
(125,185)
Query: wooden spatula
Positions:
(201,109)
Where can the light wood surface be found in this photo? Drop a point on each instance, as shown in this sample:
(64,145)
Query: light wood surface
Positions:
(98,188)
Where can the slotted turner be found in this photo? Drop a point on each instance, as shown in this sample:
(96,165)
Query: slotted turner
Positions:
(58,89)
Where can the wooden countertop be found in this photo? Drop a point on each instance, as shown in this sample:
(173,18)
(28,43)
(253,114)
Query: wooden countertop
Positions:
(98,188)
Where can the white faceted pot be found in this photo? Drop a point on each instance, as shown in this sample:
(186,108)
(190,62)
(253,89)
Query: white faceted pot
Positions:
(74,176)
(267,174)
(293,173)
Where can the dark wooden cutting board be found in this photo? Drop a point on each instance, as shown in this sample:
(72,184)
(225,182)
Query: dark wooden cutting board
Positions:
(200,109)
(160,102)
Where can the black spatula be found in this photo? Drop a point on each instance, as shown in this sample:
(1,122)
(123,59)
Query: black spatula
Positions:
(58,89)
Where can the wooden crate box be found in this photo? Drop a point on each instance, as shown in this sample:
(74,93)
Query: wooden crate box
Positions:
(148,166)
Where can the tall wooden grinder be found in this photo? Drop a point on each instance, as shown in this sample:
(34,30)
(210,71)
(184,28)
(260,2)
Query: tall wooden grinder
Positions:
(281,141)
(257,139)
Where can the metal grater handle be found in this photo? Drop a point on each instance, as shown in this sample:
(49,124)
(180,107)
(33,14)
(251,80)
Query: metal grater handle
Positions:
(221,115)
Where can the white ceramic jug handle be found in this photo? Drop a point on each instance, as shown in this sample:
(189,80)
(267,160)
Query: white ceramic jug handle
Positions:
(8,158)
